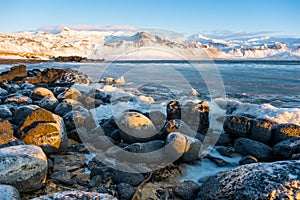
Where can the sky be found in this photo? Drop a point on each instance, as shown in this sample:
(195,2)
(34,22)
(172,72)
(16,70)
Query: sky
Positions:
(185,16)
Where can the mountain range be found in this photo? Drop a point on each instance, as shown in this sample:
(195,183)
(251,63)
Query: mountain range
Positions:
(130,43)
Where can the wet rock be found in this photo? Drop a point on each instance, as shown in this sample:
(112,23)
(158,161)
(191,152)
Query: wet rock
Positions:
(249,182)
(125,191)
(259,150)
(228,152)
(22,112)
(285,149)
(39,93)
(248,160)
(218,161)
(75,195)
(9,192)
(44,129)
(16,73)
(23,166)
(49,103)
(261,130)
(109,126)
(173,110)
(5,112)
(182,145)
(136,127)
(237,125)
(285,131)
(187,190)
(65,106)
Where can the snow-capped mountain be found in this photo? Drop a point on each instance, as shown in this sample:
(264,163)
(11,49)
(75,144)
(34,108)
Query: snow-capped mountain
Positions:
(126,42)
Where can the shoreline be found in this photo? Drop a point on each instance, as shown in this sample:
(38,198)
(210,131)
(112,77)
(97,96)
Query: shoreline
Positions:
(218,61)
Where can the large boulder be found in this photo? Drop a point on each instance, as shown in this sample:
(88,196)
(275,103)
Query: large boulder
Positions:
(259,150)
(9,192)
(285,131)
(16,73)
(75,195)
(136,127)
(23,166)
(278,180)
(44,129)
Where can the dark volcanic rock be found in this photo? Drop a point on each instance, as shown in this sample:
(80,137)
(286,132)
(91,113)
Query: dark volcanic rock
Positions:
(261,130)
(49,103)
(284,150)
(173,110)
(237,125)
(22,112)
(259,150)
(285,131)
(187,190)
(66,106)
(278,180)
(125,191)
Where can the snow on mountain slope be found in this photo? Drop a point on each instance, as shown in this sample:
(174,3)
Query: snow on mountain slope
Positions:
(102,44)
(256,47)
(126,42)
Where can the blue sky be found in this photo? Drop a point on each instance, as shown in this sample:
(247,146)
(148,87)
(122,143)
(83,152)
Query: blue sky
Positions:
(186,16)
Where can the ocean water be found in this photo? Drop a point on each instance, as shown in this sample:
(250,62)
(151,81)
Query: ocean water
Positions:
(274,82)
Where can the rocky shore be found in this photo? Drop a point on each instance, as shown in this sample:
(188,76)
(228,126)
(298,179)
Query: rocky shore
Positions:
(52,147)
